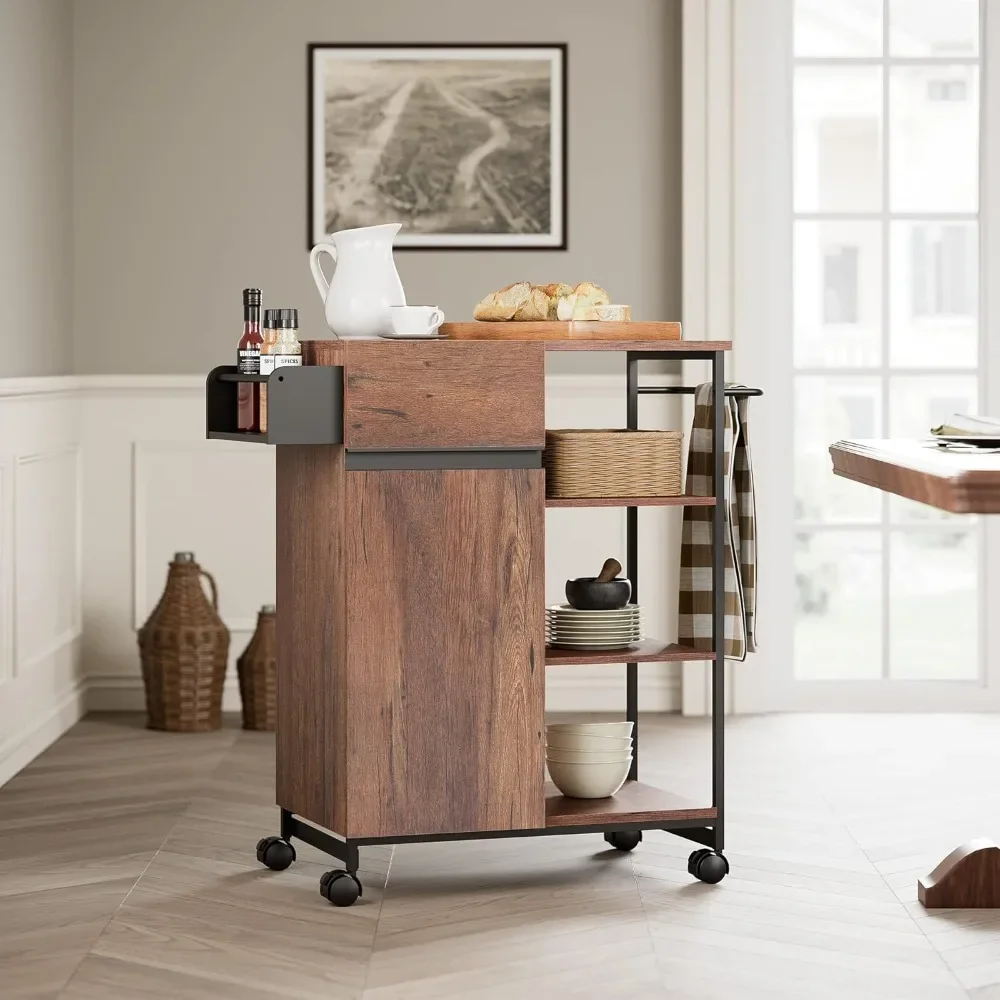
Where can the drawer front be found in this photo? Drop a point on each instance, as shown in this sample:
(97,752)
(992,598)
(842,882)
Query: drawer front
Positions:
(443,394)
(445,694)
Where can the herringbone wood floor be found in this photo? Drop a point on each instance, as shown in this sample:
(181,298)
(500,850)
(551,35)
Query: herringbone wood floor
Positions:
(127,871)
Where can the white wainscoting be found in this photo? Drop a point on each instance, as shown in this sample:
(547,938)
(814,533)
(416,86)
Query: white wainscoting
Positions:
(41,525)
(153,485)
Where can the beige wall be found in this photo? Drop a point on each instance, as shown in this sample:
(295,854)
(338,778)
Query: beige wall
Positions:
(36,279)
(190,164)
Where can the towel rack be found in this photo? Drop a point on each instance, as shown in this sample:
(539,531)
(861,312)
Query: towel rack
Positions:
(688,390)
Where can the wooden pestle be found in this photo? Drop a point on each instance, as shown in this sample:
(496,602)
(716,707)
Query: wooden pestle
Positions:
(609,571)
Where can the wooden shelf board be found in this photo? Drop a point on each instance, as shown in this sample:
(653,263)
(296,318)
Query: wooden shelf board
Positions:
(634,803)
(648,651)
(678,501)
(248,436)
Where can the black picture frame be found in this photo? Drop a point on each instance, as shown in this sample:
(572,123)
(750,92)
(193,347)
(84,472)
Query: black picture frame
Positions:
(556,239)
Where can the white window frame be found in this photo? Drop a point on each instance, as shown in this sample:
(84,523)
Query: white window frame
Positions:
(737,281)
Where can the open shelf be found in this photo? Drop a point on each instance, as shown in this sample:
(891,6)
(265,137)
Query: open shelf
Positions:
(678,501)
(250,437)
(647,651)
(633,803)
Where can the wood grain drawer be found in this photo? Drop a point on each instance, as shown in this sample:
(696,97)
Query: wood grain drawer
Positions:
(443,394)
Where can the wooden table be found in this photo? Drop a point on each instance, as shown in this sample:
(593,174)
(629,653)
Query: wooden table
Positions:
(963,483)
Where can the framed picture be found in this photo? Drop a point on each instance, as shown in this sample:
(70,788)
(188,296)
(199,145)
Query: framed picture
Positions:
(465,145)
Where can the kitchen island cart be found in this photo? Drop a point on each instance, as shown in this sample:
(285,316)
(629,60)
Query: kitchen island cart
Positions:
(411,648)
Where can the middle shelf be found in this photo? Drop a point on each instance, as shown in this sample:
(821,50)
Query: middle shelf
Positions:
(647,651)
(681,500)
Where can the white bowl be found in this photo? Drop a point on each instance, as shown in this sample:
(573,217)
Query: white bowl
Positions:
(588,781)
(591,728)
(584,741)
(587,756)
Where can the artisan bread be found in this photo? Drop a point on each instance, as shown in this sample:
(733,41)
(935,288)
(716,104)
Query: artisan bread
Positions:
(503,304)
(525,302)
(581,302)
(535,308)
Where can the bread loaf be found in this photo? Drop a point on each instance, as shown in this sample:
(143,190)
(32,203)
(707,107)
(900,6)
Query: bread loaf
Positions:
(525,302)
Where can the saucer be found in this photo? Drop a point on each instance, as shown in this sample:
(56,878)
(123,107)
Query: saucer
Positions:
(414,336)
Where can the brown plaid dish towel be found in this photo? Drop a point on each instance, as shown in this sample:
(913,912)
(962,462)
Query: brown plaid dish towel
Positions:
(695,620)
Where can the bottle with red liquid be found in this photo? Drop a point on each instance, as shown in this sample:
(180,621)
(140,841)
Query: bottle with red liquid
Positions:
(248,363)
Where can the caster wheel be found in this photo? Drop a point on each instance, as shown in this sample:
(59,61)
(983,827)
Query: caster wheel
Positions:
(708,866)
(275,853)
(339,887)
(624,840)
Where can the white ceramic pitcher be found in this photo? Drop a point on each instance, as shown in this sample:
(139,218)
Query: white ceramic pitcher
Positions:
(364,283)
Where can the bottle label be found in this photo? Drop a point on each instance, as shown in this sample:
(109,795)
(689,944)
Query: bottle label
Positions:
(283,360)
(266,364)
(248,361)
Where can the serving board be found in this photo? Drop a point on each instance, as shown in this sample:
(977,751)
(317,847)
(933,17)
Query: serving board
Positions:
(554,330)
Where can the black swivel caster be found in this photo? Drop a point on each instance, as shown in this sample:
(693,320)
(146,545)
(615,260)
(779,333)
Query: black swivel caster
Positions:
(624,840)
(276,853)
(708,866)
(339,887)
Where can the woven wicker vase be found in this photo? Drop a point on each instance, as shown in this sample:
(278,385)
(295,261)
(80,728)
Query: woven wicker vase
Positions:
(255,668)
(184,647)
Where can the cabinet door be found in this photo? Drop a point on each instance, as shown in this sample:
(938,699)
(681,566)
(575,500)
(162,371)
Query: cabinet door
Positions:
(446,651)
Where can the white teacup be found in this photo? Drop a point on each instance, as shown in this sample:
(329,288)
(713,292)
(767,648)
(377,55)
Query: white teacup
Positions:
(416,321)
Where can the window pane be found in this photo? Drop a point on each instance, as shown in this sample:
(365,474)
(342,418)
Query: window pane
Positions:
(933,604)
(838,138)
(934,285)
(934,138)
(838,616)
(838,294)
(845,28)
(919,402)
(827,409)
(933,27)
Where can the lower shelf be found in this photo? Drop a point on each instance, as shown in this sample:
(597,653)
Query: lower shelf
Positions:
(634,803)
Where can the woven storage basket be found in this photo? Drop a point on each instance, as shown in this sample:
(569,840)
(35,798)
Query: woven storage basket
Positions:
(612,463)
(256,672)
(184,647)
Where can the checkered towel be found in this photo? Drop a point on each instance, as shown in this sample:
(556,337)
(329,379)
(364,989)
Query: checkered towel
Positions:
(695,622)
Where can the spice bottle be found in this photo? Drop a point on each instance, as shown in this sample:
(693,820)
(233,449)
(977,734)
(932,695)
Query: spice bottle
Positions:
(248,363)
(286,350)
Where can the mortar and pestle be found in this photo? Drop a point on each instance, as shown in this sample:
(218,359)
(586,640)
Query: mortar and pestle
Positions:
(600,593)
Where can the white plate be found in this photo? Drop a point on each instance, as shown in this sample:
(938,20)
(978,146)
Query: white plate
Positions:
(414,336)
(566,609)
(599,646)
(596,636)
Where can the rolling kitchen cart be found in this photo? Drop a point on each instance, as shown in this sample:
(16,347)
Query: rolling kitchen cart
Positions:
(410,593)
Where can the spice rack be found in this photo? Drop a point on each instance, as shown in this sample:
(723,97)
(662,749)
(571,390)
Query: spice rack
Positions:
(304,405)
(410,582)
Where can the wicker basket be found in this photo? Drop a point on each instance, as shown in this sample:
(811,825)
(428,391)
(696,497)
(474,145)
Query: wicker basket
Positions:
(256,672)
(612,463)
(184,647)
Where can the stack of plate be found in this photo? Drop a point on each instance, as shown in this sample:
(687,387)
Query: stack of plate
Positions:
(588,760)
(570,628)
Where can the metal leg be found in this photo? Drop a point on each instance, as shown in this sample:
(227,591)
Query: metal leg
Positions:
(632,565)
(718,596)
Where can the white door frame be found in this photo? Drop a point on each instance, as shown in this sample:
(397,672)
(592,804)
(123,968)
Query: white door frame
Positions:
(737,266)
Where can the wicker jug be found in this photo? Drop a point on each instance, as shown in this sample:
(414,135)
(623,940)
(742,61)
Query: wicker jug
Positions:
(255,668)
(184,647)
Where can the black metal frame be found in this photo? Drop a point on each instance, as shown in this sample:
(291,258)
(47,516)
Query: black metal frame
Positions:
(709,835)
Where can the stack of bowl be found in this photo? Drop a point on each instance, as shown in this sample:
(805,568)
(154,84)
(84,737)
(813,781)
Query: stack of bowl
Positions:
(588,760)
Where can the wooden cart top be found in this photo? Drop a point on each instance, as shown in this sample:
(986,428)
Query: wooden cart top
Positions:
(960,482)
(555,336)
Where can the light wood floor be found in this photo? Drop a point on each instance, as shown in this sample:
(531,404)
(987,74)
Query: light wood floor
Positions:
(127,871)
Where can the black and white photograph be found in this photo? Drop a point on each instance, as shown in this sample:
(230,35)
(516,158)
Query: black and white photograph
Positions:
(463,145)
